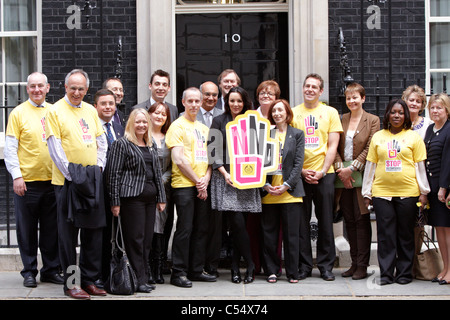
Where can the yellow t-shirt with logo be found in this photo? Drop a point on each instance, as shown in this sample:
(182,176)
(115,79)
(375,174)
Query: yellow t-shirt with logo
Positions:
(192,136)
(27,124)
(78,129)
(277,179)
(395,156)
(316,123)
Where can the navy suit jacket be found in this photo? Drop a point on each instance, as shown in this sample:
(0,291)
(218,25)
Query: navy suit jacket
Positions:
(118,131)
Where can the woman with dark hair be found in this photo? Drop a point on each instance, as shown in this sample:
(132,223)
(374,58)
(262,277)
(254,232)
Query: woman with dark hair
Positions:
(394,180)
(225,197)
(160,121)
(136,190)
(282,196)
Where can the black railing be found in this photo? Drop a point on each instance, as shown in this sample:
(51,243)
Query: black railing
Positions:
(7,219)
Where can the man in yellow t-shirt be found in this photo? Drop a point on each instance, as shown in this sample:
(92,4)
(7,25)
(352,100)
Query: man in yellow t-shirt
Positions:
(322,126)
(75,135)
(187,138)
(28,161)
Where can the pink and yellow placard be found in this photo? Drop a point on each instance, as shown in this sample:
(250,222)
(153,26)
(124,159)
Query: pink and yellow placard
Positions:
(251,149)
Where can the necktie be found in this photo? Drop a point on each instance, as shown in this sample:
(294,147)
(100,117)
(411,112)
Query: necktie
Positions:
(109,134)
(208,119)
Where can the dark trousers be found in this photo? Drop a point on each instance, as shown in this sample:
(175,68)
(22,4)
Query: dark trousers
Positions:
(214,242)
(288,216)
(90,261)
(168,226)
(322,194)
(191,233)
(106,240)
(358,228)
(37,209)
(395,234)
(138,222)
(241,241)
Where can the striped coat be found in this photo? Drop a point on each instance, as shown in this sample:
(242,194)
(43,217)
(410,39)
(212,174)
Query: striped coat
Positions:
(126,171)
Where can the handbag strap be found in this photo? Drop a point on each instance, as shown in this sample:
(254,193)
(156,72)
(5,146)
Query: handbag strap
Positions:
(426,237)
(115,232)
(119,232)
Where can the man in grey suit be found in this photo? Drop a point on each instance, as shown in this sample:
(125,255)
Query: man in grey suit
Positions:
(207,112)
(159,87)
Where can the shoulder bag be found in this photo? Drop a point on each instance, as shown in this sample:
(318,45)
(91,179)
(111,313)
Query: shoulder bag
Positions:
(122,279)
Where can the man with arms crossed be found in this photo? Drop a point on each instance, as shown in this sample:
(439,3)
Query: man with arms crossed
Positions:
(322,126)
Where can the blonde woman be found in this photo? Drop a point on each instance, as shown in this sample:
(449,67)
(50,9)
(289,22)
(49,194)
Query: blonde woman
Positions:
(136,190)
(437,140)
(416,100)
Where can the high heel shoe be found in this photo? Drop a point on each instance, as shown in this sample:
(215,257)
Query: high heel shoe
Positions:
(443,281)
(249,276)
(235,276)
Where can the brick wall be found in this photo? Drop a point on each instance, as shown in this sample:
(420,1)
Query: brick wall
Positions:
(59,44)
(392,60)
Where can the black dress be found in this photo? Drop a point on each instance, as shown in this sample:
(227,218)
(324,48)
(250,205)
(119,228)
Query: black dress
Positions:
(438,172)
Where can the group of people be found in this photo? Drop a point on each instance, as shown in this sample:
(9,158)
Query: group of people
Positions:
(78,169)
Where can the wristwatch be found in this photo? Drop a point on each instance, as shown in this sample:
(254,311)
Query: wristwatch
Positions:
(323,174)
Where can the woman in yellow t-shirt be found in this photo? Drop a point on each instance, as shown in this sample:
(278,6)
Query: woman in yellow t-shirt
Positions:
(394,180)
(283,195)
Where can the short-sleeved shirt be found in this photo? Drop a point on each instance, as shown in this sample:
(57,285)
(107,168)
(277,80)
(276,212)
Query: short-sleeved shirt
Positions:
(78,129)
(26,123)
(317,124)
(395,156)
(192,136)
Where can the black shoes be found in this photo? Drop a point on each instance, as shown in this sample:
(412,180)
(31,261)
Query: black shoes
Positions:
(29,281)
(327,276)
(303,274)
(235,276)
(52,278)
(403,281)
(145,288)
(206,277)
(249,276)
(181,281)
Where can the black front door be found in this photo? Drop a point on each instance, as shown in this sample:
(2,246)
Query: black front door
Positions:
(255,45)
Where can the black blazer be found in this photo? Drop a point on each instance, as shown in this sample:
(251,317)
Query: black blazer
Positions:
(292,163)
(218,153)
(82,198)
(126,171)
(147,104)
(438,153)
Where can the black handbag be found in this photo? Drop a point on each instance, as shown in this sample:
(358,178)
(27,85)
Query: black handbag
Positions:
(122,279)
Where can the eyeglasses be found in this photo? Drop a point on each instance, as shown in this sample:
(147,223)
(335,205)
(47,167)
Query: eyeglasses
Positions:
(270,94)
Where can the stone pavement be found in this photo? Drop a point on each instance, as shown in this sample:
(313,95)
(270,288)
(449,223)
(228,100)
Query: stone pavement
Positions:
(313,288)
